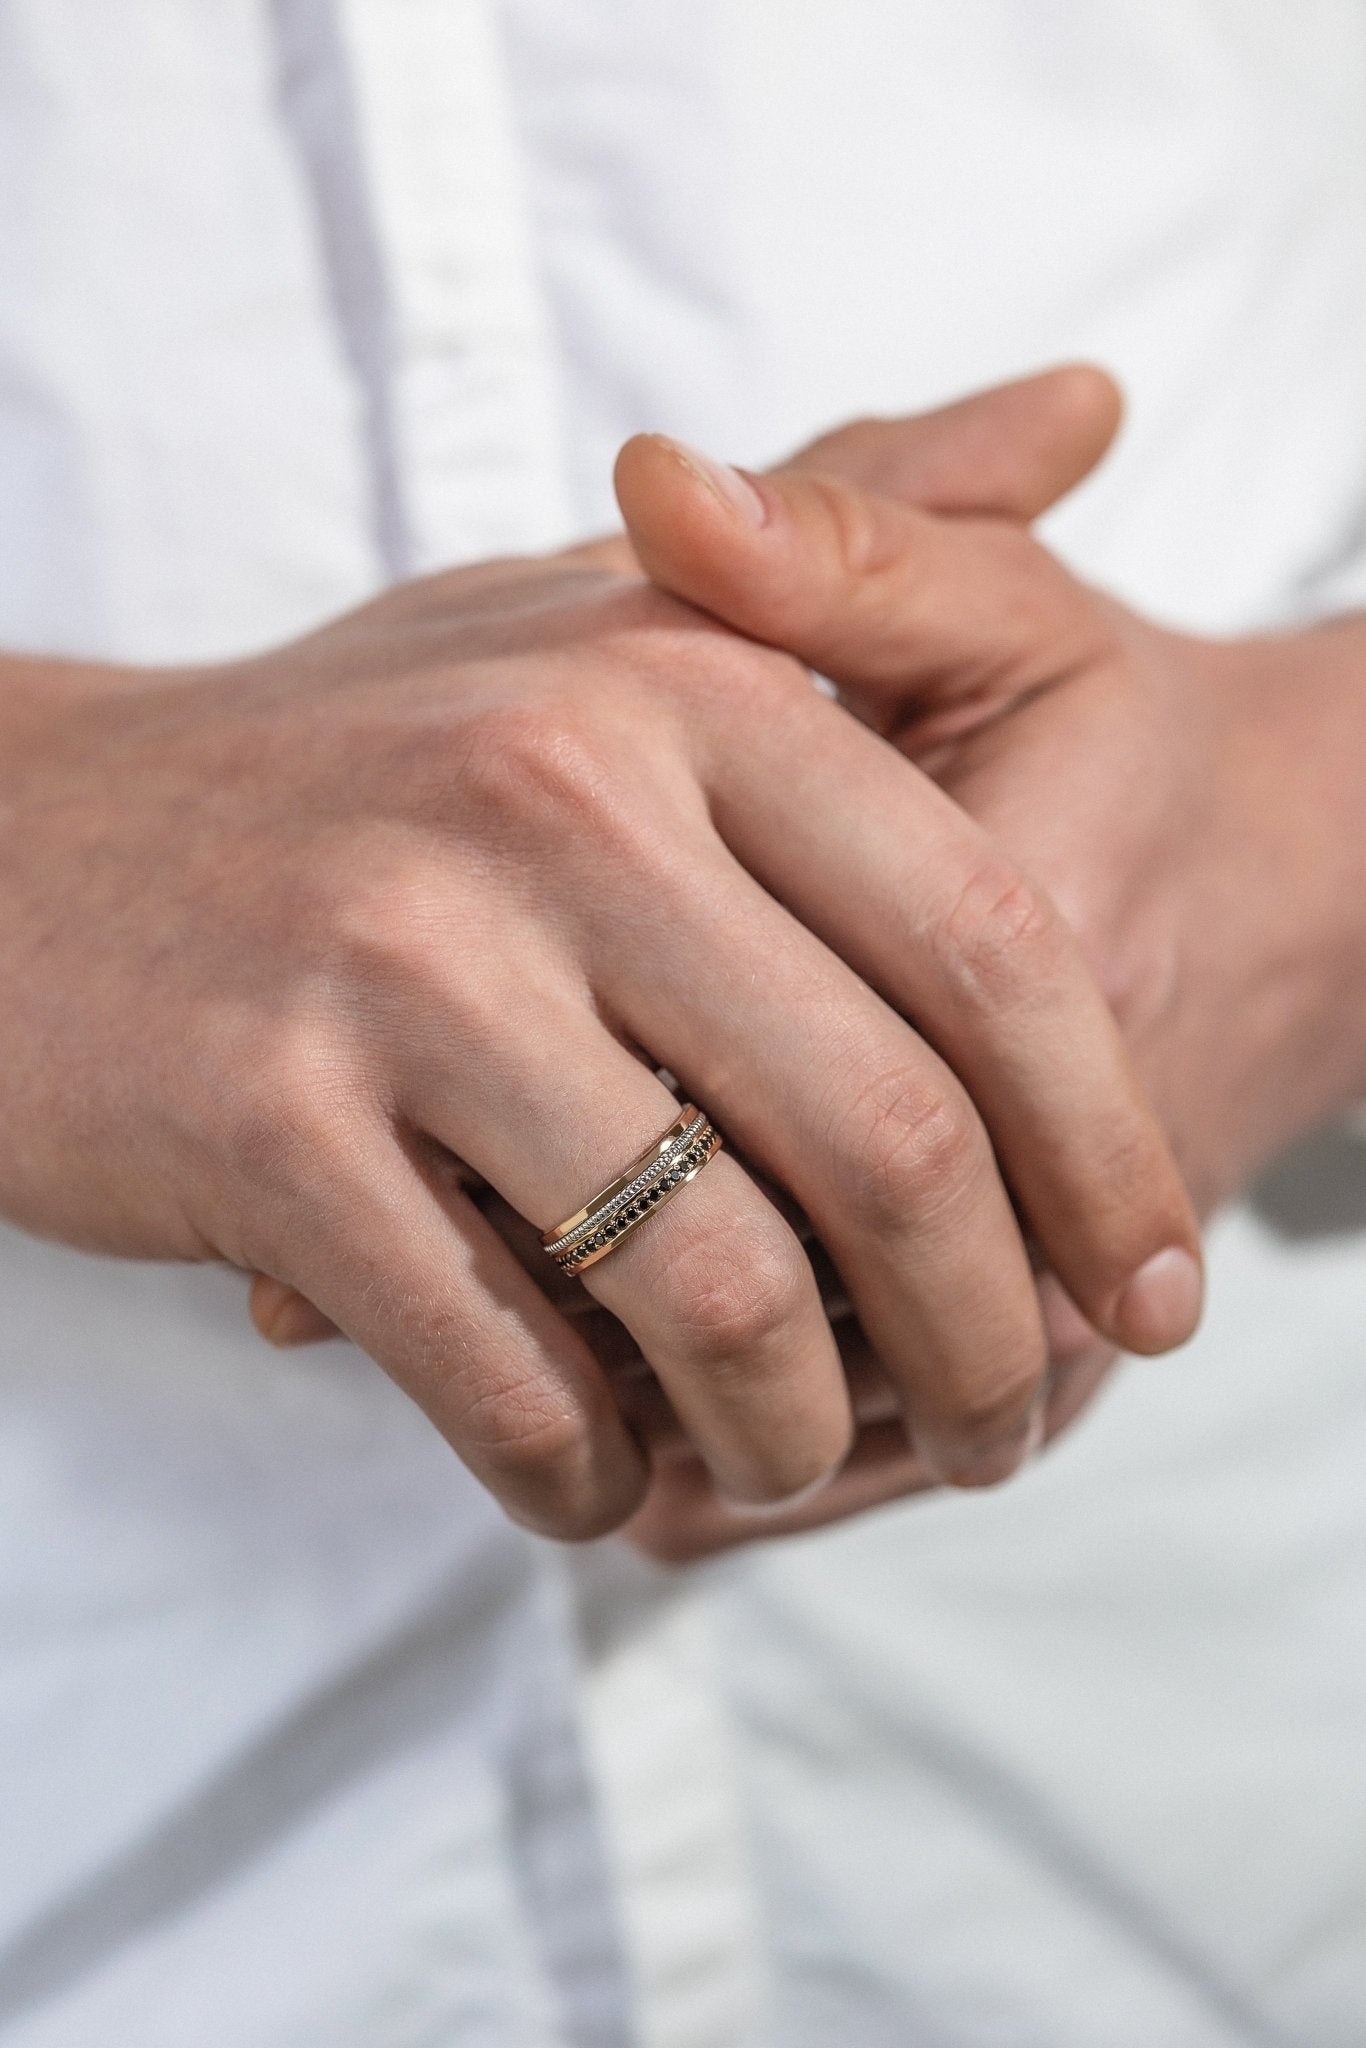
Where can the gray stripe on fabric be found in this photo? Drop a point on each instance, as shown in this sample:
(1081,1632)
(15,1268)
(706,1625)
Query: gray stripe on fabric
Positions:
(319,108)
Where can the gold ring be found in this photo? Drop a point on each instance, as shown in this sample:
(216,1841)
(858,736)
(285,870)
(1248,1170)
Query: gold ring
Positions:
(647,1184)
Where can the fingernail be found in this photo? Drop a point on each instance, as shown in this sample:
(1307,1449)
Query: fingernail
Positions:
(1003,1460)
(763,1510)
(736,492)
(1160,1307)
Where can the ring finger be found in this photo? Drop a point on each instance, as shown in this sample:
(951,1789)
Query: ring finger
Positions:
(713,1285)
(843,1105)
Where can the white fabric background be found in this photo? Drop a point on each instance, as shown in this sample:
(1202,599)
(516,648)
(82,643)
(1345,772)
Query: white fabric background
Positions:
(295,1738)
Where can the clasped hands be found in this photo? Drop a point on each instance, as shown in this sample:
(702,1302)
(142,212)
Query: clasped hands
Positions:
(357,963)
(845,584)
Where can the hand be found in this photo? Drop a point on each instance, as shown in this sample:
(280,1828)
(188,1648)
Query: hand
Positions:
(287,944)
(1012,451)
(1193,808)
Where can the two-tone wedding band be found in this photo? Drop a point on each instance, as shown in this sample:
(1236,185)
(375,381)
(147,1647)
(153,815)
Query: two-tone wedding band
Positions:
(650,1181)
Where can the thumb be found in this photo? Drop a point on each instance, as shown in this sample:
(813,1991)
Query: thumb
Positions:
(1013,450)
(892,602)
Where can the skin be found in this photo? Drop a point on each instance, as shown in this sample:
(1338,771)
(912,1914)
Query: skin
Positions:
(1192,807)
(1007,453)
(294,947)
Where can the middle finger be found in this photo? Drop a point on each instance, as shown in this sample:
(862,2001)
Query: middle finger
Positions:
(841,1103)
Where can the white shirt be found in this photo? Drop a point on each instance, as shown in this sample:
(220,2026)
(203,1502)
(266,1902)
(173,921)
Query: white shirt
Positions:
(300,1745)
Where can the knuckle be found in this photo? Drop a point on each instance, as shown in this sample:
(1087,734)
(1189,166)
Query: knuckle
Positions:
(282,1106)
(391,913)
(1001,943)
(552,791)
(914,1148)
(537,1458)
(537,767)
(401,948)
(738,1299)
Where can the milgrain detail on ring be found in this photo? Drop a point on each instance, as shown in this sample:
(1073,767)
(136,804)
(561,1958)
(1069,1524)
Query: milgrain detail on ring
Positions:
(607,1205)
(648,1182)
(602,1239)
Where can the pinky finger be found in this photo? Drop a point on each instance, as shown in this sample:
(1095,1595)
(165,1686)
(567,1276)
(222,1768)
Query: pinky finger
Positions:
(410,1271)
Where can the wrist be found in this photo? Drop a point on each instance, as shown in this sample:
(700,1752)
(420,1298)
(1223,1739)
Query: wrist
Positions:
(1296,704)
